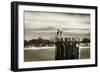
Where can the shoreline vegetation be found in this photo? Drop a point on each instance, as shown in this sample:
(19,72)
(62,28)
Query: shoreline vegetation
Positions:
(40,42)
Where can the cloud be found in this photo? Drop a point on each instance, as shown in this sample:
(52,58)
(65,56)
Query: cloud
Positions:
(46,24)
(44,20)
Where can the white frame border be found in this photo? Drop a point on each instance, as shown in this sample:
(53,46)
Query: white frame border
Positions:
(22,64)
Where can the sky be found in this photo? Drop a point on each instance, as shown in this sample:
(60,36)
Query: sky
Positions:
(45,24)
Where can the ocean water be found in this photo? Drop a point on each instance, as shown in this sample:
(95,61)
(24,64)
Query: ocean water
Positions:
(48,53)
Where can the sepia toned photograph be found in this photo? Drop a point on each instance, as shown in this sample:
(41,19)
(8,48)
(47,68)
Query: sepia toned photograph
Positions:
(56,36)
(52,36)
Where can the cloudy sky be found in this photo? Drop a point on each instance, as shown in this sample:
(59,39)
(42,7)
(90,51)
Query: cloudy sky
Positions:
(45,24)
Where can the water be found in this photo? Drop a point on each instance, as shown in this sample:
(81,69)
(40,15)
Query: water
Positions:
(47,53)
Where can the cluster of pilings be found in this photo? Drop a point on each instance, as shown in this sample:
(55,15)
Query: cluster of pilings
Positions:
(67,48)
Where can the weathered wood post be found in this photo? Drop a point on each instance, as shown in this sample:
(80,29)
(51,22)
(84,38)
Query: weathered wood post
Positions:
(59,46)
(62,49)
(71,48)
(67,48)
(58,49)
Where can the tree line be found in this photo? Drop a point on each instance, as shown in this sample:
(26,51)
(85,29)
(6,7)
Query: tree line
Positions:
(40,42)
